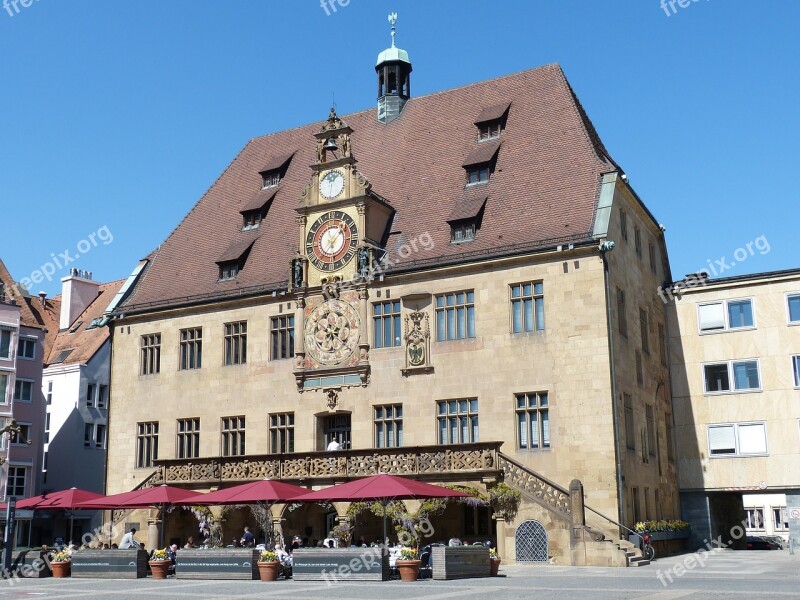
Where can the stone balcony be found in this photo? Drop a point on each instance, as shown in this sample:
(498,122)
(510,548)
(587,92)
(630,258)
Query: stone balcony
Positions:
(434,463)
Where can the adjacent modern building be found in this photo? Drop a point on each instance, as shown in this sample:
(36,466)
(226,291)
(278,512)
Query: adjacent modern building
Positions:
(459,287)
(735,343)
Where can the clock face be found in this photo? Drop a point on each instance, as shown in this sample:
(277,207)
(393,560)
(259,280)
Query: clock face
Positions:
(332,332)
(331,185)
(331,241)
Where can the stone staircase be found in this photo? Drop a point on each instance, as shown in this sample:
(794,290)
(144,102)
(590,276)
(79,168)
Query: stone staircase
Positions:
(567,505)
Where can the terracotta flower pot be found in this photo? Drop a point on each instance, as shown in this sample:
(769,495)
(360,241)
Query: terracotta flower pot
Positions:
(159,568)
(268,570)
(494,565)
(408,569)
(61,569)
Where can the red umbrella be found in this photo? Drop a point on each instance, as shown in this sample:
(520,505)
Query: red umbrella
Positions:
(264,490)
(384,488)
(63,499)
(142,498)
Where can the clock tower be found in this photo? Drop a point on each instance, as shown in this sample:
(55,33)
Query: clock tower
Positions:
(343,225)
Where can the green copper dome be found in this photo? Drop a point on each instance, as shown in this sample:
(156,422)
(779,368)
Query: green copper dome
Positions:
(393,54)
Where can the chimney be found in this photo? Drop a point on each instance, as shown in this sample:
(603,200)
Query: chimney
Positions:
(78,291)
(42,298)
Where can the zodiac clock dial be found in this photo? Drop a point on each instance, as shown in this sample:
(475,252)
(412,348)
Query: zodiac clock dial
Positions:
(332,332)
(331,241)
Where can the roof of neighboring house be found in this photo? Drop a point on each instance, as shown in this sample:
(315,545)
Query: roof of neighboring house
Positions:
(82,341)
(543,191)
(32,312)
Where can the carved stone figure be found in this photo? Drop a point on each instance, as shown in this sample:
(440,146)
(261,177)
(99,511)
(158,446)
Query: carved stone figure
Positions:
(417,335)
(297,271)
(363,260)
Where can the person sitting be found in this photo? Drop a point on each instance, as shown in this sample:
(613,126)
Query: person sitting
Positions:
(189,542)
(329,542)
(285,559)
(234,543)
(128,540)
(248,539)
(114,546)
(172,555)
(454,541)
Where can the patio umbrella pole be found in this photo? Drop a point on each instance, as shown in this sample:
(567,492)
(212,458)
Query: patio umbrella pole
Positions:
(30,527)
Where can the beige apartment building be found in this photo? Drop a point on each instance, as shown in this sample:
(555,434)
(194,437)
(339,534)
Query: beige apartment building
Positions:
(459,287)
(735,344)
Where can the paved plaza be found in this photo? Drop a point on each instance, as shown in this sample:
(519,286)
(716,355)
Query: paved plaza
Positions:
(726,574)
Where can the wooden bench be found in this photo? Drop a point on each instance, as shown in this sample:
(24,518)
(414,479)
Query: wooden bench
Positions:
(460,562)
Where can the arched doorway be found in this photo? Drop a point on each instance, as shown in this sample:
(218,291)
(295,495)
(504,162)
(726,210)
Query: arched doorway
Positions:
(530,542)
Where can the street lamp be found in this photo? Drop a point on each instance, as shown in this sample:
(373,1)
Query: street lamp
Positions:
(11,428)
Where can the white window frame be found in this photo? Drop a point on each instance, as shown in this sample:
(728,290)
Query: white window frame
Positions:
(23,380)
(726,316)
(12,341)
(737,453)
(731,378)
(26,339)
(796,370)
(790,295)
(6,397)
(22,425)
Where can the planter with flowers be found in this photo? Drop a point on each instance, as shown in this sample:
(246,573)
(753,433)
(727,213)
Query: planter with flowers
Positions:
(408,564)
(61,564)
(661,530)
(268,566)
(494,562)
(159,564)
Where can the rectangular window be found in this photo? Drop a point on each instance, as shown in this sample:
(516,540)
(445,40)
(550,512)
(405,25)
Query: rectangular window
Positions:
(233,436)
(88,435)
(622,318)
(623,224)
(630,434)
(662,344)
(737,439)
(15,485)
(188,441)
(23,390)
(489,130)
(637,240)
(651,430)
(102,396)
(49,392)
(47,428)
(271,178)
(228,270)
(533,421)
(282,337)
(462,231)
(386,324)
(388,426)
(191,348)
(796,368)
(639,368)
(527,307)
(455,316)
(150,354)
(458,421)
(26,348)
(644,329)
(5,343)
(754,517)
(653,268)
(637,514)
(743,373)
(478,174)
(3,388)
(100,436)
(793,301)
(670,441)
(236,343)
(725,316)
(780,517)
(281,433)
(23,436)
(90,394)
(146,444)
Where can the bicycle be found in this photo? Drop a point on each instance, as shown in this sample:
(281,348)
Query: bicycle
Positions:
(647,549)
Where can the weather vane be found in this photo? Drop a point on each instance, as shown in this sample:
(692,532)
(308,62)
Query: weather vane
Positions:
(393,21)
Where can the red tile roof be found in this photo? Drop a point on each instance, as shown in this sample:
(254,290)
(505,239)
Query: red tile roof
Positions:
(32,311)
(492,113)
(483,152)
(260,198)
(544,188)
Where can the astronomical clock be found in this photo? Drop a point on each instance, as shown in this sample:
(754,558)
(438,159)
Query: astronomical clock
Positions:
(343,227)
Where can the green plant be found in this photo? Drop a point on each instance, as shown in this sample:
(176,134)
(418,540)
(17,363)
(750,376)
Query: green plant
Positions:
(160,555)
(408,553)
(493,553)
(62,556)
(268,556)
(654,526)
(505,500)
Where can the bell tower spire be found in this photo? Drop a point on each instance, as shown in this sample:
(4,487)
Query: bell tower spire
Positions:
(394,78)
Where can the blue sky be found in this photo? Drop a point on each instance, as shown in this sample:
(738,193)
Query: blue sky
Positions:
(121,114)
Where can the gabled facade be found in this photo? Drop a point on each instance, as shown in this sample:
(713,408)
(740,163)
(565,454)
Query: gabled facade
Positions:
(463,292)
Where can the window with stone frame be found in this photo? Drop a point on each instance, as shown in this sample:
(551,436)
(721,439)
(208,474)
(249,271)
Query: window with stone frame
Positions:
(457,421)
(455,316)
(644,329)
(386,324)
(188,438)
(533,420)
(150,354)
(236,343)
(281,433)
(191,348)
(527,307)
(233,436)
(282,332)
(146,444)
(622,317)
(630,433)
(388,420)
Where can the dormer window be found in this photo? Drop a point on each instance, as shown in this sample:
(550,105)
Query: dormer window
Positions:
(256,210)
(233,259)
(491,121)
(480,163)
(462,231)
(275,170)
(252,219)
(270,179)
